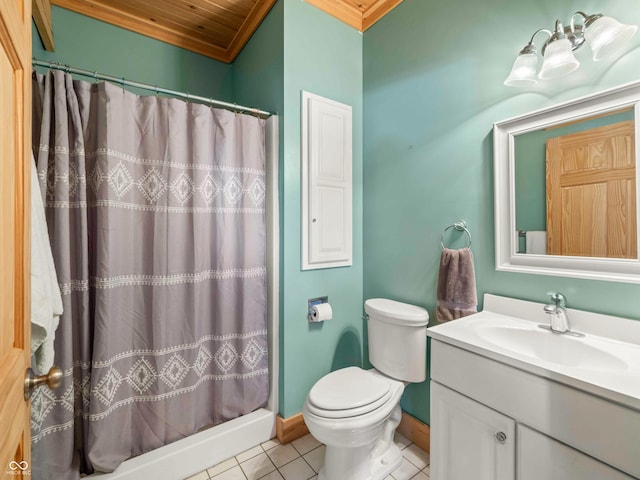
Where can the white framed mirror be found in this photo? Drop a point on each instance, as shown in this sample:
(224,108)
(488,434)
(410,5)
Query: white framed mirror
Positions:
(567,185)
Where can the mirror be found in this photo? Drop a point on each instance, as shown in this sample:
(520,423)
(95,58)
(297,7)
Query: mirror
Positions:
(575,188)
(566,188)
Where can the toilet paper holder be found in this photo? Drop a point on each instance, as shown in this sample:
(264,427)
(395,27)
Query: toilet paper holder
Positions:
(314,301)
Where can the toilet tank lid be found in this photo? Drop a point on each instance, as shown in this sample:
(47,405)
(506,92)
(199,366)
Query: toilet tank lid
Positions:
(397,312)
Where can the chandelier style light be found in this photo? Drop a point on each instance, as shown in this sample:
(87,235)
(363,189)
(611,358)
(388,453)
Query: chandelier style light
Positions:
(606,37)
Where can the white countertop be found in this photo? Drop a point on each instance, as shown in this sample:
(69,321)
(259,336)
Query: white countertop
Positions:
(612,372)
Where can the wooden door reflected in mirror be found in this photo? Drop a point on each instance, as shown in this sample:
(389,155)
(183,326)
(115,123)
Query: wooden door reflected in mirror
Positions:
(591,194)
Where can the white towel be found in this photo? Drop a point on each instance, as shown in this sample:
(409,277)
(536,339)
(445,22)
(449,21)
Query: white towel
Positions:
(46,301)
(536,241)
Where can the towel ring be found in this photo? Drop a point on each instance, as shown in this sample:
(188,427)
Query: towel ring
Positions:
(461,226)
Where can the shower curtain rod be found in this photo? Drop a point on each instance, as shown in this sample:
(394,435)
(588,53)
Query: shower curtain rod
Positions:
(152,88)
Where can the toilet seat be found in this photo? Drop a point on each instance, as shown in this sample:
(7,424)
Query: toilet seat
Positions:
(348,392)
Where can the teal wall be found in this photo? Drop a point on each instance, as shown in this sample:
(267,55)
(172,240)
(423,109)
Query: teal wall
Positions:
(258,72)
(259,80)
(530,168)
(298,48)
(321,56)
(83,42)
(433,87)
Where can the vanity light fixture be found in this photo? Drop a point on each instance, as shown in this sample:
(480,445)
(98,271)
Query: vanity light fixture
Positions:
(606,37)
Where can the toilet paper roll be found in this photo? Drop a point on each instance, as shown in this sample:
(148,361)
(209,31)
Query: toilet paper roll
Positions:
(321,312)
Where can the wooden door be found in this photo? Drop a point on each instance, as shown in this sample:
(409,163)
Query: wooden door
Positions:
(468,439)
(15,155)
(591,193)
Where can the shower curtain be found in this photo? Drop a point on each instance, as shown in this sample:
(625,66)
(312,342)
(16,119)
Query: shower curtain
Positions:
(156,214)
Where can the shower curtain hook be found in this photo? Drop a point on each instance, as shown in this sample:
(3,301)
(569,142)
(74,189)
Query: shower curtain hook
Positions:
(156,89)
(95,77)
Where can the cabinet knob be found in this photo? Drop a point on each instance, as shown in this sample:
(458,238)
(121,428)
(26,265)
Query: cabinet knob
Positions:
(501,437)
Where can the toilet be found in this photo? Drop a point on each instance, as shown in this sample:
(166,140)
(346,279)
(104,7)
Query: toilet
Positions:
(355,412)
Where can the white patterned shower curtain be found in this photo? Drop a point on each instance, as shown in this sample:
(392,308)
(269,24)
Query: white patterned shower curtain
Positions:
(156,214)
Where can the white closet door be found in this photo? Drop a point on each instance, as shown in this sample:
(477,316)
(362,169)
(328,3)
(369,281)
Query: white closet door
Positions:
(326,183)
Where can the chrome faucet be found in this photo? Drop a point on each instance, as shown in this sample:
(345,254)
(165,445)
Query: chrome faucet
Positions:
(558,320)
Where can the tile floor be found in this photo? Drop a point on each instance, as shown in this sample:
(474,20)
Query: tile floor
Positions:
(301,460)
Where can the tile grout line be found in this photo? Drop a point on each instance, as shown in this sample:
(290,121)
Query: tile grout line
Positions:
(300,455)
(272,463)
(305,461)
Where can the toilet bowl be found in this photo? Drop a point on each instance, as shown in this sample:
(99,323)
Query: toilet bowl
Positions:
(355,412)
(357,424)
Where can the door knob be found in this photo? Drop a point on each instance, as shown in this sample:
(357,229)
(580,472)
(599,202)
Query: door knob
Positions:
(53,379)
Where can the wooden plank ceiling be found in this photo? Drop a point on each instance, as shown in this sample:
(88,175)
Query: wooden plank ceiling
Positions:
(216,28)
(360,14)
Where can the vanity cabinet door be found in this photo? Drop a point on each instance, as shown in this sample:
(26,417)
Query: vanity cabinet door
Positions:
(468,439)
(542,457)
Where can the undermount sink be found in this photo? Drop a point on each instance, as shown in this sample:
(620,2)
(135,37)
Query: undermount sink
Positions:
(552,347)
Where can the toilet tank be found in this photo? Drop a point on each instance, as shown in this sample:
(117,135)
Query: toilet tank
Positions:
(397,337)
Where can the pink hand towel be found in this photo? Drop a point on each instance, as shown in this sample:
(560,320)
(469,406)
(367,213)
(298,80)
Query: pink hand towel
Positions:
(456,295)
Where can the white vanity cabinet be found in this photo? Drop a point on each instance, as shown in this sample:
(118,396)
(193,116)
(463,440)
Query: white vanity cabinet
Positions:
(469,440)
(541,457)
(490,420)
